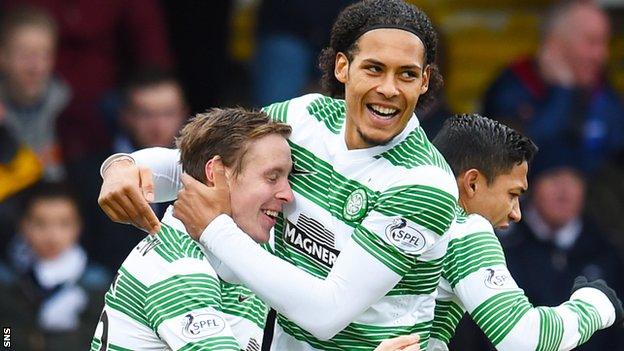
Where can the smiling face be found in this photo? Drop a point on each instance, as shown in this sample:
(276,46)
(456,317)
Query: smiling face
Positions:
(498,201)
(382,84)
(261,188)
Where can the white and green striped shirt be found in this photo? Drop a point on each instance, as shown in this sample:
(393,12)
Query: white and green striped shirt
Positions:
(166,295)
(475,278)
(386,208)
(395,201)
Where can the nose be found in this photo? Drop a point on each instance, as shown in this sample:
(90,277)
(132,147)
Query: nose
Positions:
(515,214)
(285,193)
(388,87)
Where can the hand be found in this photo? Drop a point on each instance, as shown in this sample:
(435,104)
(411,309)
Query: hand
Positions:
(405,342)
(581,282)
(199,204)
(554,67)
(125,193)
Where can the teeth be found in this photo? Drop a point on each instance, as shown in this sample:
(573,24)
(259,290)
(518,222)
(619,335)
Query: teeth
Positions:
(383,110)
(271,213)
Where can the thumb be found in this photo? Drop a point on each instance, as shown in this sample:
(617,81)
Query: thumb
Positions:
(218,171)
(147,183)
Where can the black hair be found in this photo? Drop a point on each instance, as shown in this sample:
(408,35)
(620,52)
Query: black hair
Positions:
(46,190)
(472,141)
(375,14)
(148,77)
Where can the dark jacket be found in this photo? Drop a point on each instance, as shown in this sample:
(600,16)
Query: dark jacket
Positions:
(591,124)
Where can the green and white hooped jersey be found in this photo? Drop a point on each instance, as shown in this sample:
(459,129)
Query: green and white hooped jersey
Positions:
(396,201)
(475,278)
(166,295)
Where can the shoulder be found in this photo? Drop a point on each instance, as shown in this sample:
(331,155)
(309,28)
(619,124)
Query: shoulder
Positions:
(426,176)
(465,225)
(415,150)
(313,111)
(284,110)
(162,258)
(427,185)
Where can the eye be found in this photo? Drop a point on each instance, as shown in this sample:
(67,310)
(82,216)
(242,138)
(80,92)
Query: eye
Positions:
(272,178)
(374,69)
(409,75)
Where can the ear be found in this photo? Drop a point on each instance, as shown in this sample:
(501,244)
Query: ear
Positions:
(209,172)
(425,83)
(341,69)
(208,168)
(469,182)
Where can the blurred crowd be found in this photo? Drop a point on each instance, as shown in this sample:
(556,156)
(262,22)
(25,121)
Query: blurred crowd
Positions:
(80,80)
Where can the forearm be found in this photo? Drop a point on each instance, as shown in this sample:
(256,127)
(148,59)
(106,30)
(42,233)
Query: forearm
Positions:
(512,323)
(322,307)
(560,328)
(166,170)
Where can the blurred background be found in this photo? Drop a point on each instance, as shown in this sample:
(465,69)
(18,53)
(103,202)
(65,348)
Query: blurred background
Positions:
(82,79)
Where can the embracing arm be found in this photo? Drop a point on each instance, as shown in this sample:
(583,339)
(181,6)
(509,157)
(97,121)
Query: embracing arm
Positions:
(483,284)
(129,184)
(323,307)
(367,268)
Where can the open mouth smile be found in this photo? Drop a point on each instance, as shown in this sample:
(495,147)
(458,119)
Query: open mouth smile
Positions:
(382,112)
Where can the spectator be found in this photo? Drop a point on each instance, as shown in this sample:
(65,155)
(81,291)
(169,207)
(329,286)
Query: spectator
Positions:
(555,242)
(49,302)
(32,96)
(99,40)
(562,94)
(153,111)
(19,167)
(291,34)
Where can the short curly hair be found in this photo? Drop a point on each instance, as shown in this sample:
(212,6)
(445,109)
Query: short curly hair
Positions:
(377,13)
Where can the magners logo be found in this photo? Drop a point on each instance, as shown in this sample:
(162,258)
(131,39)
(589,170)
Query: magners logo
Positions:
(310,238)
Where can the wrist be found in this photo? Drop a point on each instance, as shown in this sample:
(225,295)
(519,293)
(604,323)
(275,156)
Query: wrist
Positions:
(119,160)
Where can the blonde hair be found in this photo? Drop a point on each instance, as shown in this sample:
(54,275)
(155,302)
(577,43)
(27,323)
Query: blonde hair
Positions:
(224,132)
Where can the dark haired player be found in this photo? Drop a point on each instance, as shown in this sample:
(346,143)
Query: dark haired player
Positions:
(475,275)
(343,276)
